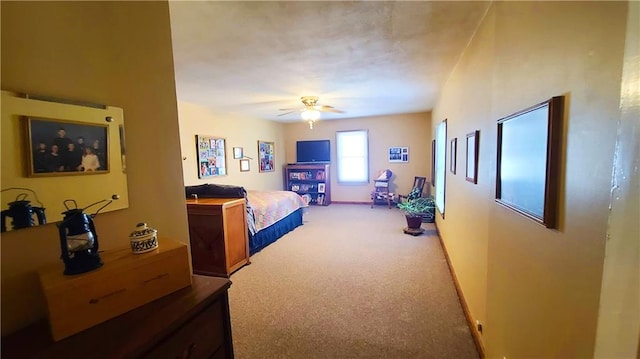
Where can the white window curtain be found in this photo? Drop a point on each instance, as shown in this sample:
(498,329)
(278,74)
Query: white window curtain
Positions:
(353,156)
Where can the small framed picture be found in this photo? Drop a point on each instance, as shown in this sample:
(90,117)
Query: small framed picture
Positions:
(473,145)
(453,150)
(399,154)
(237,153)
(244,165)
(320,187)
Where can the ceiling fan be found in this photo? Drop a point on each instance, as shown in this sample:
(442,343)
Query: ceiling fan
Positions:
(310,104)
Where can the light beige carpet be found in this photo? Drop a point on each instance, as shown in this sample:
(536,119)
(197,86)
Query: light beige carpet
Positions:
(349,284)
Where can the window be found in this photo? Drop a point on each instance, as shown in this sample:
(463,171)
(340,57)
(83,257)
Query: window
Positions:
(353,156)
(441,147)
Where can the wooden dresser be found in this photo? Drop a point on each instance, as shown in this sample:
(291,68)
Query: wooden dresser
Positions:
(218,235)
(190,323)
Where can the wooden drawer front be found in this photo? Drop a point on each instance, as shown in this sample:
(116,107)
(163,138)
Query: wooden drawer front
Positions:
(201,337)
(75,303)
(207,244)
(208,210)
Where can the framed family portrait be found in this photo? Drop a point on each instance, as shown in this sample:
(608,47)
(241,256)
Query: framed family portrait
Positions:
(399,154)
(58,147)
(211,154)
(528,161)
(266,153)
(320,187)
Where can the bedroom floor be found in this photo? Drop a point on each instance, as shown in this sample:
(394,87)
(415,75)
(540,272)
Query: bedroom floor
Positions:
(349,284)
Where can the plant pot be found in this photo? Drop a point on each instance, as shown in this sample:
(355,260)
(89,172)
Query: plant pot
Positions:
(414,222)
(428,217)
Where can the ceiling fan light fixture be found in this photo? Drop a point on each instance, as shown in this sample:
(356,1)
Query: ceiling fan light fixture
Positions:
(309,101)
(310,115)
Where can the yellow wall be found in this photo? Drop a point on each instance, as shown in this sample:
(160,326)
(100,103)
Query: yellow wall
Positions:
(412,130)
(239,132)
(53,190)
(407,130)
(466,222)
(536,290)
(115,53)
(618,321)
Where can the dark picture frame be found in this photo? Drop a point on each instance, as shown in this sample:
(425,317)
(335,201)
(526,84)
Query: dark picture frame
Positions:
(528,161)
(453,150)
(266,156)
(212,156)
(62,148)
(473,150)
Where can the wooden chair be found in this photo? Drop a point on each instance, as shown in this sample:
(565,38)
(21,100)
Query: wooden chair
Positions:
(380,193)
(416,190)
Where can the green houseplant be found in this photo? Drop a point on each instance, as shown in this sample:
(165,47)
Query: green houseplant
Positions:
(416,209)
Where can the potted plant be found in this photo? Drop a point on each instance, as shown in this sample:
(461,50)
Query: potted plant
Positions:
(417,209)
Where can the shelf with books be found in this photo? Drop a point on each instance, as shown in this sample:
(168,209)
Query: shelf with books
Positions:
(311,181)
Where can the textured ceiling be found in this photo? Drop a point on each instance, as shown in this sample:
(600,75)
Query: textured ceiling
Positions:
(365,58)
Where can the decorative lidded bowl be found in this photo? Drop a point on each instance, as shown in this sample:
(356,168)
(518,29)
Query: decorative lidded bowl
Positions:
(143,239)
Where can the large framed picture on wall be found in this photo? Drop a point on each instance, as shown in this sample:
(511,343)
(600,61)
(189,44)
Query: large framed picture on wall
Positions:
(58,147)
(266,156)
(211,152)
(528,161)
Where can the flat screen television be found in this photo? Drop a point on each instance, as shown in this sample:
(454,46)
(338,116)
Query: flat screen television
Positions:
(313,151)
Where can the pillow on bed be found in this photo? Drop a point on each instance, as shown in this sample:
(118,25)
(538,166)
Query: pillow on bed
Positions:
(215,191)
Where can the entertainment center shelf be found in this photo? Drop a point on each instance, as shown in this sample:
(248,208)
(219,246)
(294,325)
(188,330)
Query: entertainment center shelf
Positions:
(310,180)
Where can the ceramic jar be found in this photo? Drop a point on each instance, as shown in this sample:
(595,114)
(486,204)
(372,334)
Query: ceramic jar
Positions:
(143,239)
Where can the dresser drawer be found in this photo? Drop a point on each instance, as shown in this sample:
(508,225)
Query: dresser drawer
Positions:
(200,337)
(125,282)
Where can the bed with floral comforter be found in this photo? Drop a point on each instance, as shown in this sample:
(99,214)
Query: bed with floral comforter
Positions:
(272,214)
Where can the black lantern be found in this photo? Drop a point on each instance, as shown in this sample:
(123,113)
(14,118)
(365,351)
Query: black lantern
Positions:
(78,238)
(22,212)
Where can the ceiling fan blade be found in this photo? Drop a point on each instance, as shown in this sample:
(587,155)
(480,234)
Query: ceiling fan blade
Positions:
(286,113)
(330,109)
(288,109)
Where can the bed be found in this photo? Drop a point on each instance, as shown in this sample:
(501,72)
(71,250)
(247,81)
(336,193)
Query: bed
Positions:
(270,214)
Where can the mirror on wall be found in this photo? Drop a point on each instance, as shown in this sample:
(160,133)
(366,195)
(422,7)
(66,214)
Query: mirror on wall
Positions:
(55,151)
